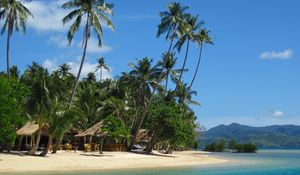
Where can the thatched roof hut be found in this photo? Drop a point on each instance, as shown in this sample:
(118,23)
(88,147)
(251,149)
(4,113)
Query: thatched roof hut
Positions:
(93,131)
(143,136)
(30,128)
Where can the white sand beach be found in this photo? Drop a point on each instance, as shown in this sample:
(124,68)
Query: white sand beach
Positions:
(70,161)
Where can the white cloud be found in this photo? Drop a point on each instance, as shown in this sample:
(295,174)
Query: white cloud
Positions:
(283,55)
(52,64)
(48,15)
(277,113)
(59,40)
(94,48)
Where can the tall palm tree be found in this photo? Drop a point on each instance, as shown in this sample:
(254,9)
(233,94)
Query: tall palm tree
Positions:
(36,78)
(202,37)
(95,12)
(15,15)
(170,21)
(101,65)
(186,33)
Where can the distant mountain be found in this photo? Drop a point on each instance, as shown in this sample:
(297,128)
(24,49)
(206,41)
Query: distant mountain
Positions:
(276,136)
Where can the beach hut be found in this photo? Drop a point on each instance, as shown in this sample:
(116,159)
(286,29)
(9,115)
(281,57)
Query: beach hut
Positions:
(94,131)
(29,130)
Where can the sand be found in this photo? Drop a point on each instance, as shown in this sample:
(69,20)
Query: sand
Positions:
(70,161)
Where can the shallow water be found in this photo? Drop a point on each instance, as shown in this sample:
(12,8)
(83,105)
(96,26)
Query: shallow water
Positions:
(265,162)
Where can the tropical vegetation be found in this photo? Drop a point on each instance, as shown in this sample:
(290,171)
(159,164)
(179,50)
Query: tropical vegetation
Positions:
(141,98)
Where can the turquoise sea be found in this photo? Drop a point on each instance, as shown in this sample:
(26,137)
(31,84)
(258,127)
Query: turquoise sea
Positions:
(265,162)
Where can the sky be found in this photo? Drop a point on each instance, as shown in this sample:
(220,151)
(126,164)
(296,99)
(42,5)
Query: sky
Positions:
(249,76)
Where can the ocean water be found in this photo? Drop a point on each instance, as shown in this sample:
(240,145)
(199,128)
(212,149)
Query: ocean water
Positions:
(265,162)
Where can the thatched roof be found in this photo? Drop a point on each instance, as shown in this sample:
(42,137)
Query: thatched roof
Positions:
(93,131)
(30,128)
(143,136)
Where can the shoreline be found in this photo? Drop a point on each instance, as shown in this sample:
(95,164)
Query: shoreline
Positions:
(68,162)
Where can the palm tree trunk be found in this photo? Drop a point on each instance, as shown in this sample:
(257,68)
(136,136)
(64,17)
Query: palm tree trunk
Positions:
(185,58)
(20,142)
(49,144)
(7,53)
(167,79)
(198,64)
(171,44)
(151,144)
(135,134)
(36,145)
(81,64)
(57,143)
(101,74)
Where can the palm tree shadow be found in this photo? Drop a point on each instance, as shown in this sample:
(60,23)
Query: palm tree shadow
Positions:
(152,154)
(96,155)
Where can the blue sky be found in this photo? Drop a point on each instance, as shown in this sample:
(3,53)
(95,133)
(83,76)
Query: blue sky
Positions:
(250,75)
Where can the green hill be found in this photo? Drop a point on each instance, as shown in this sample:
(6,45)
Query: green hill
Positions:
(276,136)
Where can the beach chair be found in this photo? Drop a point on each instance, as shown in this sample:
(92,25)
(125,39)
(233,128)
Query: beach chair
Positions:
(97,147)
(68,147)
(87,147)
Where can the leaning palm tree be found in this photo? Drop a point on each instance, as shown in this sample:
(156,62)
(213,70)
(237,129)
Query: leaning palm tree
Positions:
(101,65)
(15,15)
(94,12)
(202,37)
(171,20)
(142,78)
(186,33)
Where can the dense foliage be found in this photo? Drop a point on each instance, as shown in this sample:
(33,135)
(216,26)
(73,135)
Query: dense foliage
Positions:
(221,146)
(12,97)
(141,99)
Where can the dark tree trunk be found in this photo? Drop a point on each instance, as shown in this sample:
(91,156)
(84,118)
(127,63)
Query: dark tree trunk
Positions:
(101,145)
(49,144)
(167,79)
(36,145)
(171,44)
(185,59)
(151,144)
(198,65)
(7,53)
(20,143)
(81,64)
(57,143)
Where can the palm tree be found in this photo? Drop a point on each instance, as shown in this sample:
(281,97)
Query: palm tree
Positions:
(101,65)
(142,78)
(91,78)
(14,71)
(168,62)
(64,70)
(171,20)
(93,11)
(37,80)
(15,15)
(187,33)
(202,37)
(185,94)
